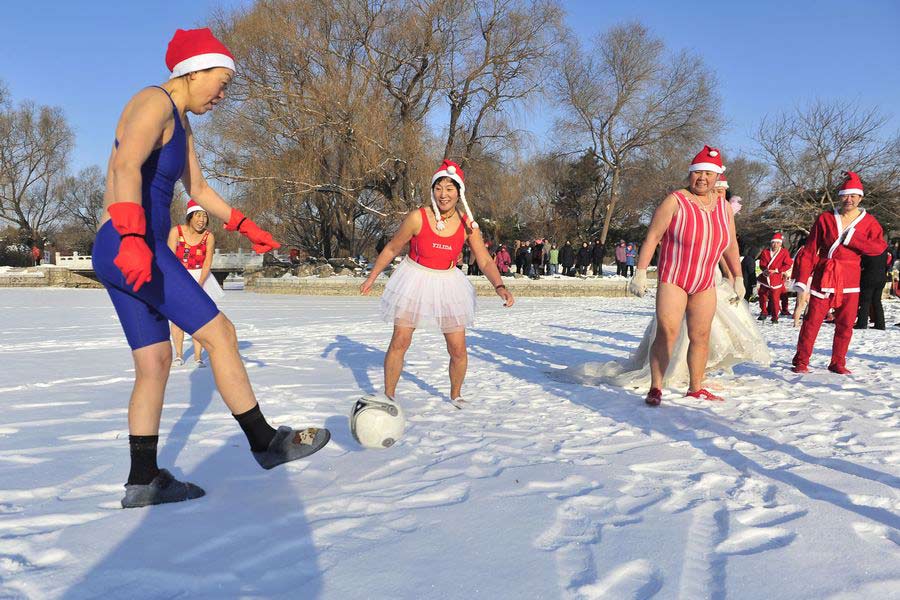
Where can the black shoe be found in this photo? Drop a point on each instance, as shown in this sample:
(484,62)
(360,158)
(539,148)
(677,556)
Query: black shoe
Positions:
(761,317)
(289,444)
(163,489)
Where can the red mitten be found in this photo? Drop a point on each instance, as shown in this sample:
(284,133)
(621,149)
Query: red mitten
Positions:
(262,239)
(134,258)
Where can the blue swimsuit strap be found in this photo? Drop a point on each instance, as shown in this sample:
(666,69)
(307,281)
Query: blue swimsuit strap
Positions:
(174,107)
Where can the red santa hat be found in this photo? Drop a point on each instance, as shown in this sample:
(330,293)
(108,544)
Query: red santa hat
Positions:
(193,207)
(852,185)
(778,238)
(708,159)
(195,50)
(722,182)
(452,170)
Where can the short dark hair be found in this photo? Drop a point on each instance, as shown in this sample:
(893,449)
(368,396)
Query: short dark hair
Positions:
(440,179)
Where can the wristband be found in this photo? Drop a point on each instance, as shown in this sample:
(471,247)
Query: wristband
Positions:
(497,287)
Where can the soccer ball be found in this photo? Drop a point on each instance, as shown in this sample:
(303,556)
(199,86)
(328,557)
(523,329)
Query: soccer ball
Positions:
(377,421)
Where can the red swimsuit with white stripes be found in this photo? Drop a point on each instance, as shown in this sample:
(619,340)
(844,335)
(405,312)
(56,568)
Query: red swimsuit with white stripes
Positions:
(693,244)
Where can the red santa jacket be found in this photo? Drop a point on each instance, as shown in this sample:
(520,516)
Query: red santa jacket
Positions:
(776,264)
(831,254)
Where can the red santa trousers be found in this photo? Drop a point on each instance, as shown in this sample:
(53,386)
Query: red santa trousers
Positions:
(844,318)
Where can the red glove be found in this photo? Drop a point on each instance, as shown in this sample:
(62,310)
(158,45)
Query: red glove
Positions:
(134,256)
(262,239)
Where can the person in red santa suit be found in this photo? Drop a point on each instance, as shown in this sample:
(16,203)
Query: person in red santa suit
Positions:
(832,255)
(773,261)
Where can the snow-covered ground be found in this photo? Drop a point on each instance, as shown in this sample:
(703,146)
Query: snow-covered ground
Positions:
(543,489)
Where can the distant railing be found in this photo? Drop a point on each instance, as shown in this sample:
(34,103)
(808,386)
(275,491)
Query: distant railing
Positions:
(75,262)
(222,261)
(236,261)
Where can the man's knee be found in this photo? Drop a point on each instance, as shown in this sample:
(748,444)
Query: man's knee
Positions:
(218,333)
(153,362)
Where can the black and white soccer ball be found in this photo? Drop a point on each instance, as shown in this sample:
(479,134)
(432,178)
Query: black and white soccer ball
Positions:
(377,421)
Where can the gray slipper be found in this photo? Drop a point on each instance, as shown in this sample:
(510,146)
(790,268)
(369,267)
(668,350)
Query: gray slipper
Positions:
(289,444)
(163,489)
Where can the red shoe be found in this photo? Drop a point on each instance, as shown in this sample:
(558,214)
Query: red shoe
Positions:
(703,394)
(839,369)
(800,369)
(654,397)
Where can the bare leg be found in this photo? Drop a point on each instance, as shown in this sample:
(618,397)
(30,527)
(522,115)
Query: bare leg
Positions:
(198,350)
(671,302)
(800,307)
(220,340)
(459,361)
(151,372)
(393,358)
(177,339)
(701,307)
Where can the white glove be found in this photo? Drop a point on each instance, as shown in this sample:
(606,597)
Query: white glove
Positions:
(739,288)
(638,283)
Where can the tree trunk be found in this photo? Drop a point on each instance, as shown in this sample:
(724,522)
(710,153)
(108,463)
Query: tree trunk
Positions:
(613,200)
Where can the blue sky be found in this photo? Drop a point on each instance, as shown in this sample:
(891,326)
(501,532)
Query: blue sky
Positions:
(90,57)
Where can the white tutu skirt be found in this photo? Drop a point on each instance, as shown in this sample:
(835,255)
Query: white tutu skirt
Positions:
(733,339)
(210,286)
(419,297)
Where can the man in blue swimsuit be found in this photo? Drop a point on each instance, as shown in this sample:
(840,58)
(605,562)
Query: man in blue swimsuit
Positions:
(154,148)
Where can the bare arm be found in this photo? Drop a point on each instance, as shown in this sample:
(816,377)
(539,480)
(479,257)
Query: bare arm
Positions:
(411,225)
(207,262)
(487,266)
(662,217)
(732,255)
(172,242)
(142,127)
(196,186)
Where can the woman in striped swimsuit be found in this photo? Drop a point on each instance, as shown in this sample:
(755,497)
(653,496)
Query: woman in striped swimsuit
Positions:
(696,228)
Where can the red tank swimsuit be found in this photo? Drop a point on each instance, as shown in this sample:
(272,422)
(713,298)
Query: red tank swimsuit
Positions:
(433,251)
(191,257)
(693,244)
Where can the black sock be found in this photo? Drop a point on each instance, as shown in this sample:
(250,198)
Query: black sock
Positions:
(143,459)
(258,431)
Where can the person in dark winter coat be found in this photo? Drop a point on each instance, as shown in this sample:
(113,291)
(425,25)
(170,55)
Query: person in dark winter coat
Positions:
(871,286)
(567,259)
(597,254)
(584,259)
(523,258)
(748,268)
(537,258)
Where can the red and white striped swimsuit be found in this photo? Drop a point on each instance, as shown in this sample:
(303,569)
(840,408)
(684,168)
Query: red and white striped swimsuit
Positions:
(693,244)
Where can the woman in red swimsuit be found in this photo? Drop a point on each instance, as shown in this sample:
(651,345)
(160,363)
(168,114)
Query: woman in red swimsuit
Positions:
(427,289)
(695,228)
(193,246)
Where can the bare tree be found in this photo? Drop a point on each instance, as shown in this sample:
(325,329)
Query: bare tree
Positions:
(497,52)
(810,147)
(625,97)
(82,197)
(326,129)
(35,142)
